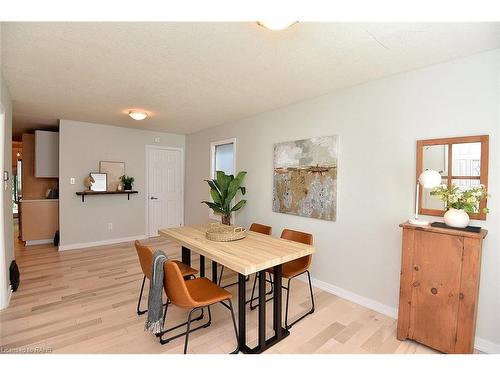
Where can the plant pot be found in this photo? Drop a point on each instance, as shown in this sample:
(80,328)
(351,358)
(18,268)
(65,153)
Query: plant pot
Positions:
(456,218)
(127,186)
(226,219)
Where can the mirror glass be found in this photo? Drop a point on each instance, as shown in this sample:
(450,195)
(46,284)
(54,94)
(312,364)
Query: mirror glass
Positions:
(466,159)
(465,168)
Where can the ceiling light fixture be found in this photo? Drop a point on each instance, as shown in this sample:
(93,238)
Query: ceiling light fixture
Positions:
(276,25)
(138,115)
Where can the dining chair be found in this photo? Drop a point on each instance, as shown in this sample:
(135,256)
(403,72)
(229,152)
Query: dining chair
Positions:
(291,270)
(194,294)
(255,227)
(145,254)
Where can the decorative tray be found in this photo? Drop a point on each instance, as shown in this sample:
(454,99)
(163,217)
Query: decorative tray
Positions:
(225,233)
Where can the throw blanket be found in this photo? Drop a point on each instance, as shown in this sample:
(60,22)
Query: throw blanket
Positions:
(154,322)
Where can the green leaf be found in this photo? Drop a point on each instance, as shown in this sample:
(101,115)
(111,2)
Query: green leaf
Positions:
(243,190)
(238,205)
(214,207)
(216,196)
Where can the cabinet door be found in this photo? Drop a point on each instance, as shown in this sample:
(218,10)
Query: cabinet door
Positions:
(436,289)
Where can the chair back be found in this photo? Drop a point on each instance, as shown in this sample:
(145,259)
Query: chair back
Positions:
(302,237)
(260,228)
(145,254)
(175,286)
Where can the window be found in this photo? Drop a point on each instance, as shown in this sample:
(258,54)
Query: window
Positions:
(462,161)
(222,158)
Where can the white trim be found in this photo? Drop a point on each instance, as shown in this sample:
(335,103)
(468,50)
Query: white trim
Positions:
(486,346)
(8,294)
(113,241)
(480,344)
(155,147)
(4,284)
(213,144)
(353,297)
(39,242)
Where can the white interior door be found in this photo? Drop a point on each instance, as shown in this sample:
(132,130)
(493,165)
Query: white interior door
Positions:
(164,189)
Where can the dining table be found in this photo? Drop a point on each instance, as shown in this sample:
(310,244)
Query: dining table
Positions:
(253,254)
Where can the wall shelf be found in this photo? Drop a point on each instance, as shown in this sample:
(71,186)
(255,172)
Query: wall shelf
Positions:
(84,193)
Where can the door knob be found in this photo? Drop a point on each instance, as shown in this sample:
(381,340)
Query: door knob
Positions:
(153,198)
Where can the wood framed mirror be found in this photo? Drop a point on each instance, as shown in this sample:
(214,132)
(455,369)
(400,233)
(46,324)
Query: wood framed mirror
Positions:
(462,161)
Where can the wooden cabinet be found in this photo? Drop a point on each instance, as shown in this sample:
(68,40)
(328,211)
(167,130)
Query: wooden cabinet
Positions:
(439,287)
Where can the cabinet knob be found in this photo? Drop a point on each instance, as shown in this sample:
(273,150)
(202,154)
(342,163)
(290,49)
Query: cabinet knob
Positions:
(416,267)
(434,290)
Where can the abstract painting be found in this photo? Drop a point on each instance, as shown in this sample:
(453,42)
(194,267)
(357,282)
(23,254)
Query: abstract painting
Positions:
(305,178)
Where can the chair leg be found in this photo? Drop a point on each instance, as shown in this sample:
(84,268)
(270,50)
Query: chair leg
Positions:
(187,331)
(288,326)
(221,273)
(139,311)
(235,329)
(252,306)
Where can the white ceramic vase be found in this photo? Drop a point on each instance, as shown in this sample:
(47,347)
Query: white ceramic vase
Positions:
(456,218)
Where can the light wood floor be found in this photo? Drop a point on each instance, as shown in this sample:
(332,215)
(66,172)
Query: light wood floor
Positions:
(83,301)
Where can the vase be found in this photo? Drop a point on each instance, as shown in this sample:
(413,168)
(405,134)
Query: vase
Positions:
(226,219)
(456,218)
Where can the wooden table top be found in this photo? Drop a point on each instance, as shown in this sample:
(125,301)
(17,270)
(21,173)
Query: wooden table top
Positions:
(255,252)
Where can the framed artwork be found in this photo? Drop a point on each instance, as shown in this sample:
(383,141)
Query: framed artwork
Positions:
(114,170)
(99,183)
(305,178)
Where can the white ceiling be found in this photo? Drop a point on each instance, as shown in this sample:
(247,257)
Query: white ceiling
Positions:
(192,76)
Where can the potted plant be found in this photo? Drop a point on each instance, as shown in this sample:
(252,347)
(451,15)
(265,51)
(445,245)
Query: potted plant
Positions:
(127,182)
(223,189)
(460,203)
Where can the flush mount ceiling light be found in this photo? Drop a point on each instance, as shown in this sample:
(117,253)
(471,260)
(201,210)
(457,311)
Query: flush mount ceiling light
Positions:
(138,115)
(276,24)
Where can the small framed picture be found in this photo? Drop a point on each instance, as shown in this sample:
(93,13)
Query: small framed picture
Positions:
(100,180)
(114,170)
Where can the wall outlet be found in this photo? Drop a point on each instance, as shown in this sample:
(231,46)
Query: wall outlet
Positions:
(72,180)
(157,139)
(110,226)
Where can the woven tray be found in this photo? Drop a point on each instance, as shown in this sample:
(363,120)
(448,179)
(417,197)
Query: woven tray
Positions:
(225,233)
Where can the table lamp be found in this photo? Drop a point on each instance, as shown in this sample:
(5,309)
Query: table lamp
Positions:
(429,180)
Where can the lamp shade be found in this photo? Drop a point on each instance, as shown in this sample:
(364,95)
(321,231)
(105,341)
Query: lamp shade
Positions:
(430,179)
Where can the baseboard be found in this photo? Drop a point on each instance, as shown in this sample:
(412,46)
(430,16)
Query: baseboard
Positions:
(486,346)
(353,297)
(112,241)
(480,344)
(39,242)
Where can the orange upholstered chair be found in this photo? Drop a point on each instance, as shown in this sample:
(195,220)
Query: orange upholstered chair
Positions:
(145,254)
(291,270)
(195,294)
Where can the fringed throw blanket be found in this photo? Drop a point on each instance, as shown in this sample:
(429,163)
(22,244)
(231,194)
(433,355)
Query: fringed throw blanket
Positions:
(154,322)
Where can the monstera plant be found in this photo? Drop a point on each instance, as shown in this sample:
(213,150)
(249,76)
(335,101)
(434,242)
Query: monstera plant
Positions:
(223,189)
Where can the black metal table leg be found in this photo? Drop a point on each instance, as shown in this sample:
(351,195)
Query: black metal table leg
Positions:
(277,305)
(262,309)
(242,322)
(202,266)
(214,272)
(186,256)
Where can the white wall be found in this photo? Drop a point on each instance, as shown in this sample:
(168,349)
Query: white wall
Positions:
(82,146)
(378,124)
(6,242)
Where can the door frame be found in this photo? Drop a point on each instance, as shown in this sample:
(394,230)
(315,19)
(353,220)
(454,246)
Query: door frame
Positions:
(167,148)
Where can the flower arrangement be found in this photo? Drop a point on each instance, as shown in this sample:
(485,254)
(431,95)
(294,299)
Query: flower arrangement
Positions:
(467,200)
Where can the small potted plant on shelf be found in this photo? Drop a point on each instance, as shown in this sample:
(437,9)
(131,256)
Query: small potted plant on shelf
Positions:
(127,182)
(223,189)
(460,203)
